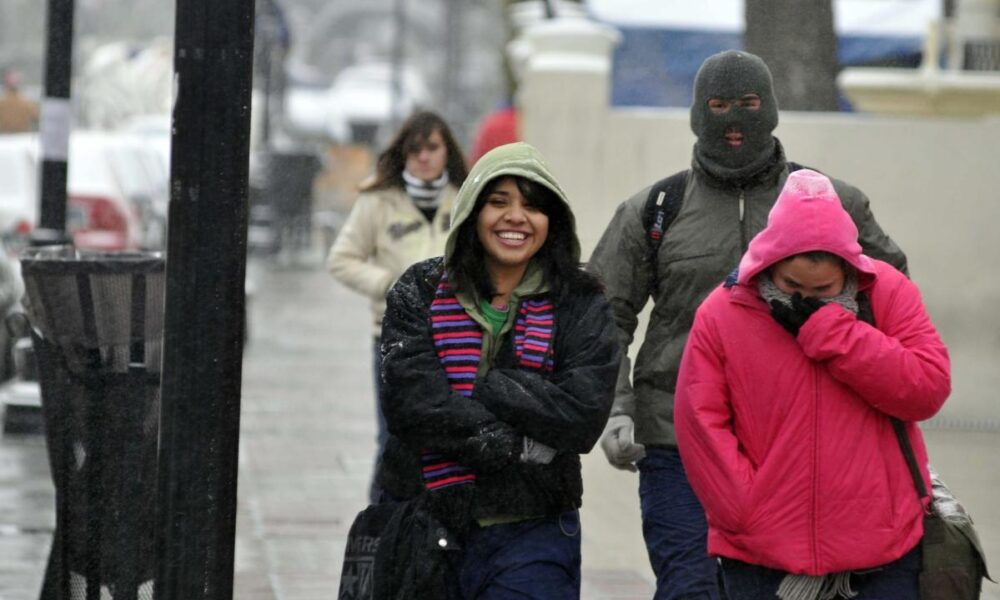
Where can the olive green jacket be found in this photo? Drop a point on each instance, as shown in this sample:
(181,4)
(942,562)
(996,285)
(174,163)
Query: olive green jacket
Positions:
(700,248)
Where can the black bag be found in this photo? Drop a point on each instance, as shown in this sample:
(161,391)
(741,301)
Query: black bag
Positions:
(953,564)
(418,556)
(357,576)
(396,551)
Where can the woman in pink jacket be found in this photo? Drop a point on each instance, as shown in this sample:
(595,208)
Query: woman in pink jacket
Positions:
(783,410)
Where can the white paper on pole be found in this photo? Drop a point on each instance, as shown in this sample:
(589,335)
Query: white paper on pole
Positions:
(54,128)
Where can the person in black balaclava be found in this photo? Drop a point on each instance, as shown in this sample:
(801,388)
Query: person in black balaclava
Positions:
(721,202)
(733,115)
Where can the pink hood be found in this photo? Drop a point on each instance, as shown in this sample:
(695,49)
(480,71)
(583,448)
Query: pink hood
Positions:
(807,216)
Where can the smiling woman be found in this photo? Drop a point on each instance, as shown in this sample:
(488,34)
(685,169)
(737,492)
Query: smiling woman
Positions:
(511,228)
(499,365)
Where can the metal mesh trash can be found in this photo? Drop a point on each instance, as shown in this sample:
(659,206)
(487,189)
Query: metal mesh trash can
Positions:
(97,330)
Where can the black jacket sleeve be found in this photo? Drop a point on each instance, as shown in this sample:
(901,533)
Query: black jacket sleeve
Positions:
(568,409)
(420,407)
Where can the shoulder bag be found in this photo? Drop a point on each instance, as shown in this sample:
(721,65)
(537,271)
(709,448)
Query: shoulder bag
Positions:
(953,564)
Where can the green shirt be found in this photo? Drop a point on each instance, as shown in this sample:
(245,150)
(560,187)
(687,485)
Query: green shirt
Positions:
(494,316)
(533,282)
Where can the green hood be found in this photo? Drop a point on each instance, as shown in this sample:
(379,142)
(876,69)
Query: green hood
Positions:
(519,159)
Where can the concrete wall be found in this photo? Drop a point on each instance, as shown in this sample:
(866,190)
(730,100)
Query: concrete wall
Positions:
(934,186)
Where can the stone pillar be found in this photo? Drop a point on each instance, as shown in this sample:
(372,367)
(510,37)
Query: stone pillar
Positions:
(564,100)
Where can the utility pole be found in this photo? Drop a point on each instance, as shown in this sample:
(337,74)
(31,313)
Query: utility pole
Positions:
(54,125)
(452,82)
(204,309)
(398,51)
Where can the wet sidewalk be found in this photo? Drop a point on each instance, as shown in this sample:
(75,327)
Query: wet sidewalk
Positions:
(306,454)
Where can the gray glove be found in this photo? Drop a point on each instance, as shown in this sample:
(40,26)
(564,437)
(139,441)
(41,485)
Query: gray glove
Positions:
(536,453)
(619,445)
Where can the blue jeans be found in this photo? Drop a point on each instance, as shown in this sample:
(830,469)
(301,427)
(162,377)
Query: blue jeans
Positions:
(897,580)
(537,559)
(675,530)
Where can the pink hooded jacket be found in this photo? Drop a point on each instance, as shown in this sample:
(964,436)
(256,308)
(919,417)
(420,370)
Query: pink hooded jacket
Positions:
(787,441)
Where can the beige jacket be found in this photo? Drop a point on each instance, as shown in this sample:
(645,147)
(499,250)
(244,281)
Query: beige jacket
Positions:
(385,234)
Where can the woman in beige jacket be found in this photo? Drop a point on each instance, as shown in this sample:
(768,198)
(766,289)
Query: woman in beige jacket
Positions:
(401,217)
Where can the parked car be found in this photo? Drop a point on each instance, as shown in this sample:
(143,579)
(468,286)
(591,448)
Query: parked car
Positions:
(18,190)
(115,185)
(116,191)
(357,105)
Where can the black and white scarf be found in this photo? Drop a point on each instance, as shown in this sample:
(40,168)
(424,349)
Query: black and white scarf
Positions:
(426,195)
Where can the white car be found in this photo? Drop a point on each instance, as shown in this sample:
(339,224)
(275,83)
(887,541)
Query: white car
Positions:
(18,189)
(116,190)
(358,102)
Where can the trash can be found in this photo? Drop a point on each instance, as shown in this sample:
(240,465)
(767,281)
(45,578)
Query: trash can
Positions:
(287,194)
(97,329)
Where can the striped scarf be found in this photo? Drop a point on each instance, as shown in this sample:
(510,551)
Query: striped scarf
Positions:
(459,343)
(426,195)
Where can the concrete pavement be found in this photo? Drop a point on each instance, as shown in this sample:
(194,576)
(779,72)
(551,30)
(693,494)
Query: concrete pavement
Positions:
(306,453)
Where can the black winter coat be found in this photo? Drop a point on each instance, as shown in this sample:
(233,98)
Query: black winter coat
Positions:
(565,409)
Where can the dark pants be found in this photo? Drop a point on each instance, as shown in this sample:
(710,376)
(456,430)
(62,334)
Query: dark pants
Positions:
(897,580)
(530,560)
(382,431)
(675,530)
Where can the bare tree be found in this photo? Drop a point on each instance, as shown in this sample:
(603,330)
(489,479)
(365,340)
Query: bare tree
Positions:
(797,41)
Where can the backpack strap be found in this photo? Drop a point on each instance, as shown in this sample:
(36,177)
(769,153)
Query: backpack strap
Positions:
(661,208)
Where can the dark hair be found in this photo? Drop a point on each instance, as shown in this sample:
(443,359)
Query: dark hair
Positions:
(557,256)
(814,256)
(818,256)
(414,133)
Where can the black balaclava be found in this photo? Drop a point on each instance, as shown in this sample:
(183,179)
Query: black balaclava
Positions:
(730,75)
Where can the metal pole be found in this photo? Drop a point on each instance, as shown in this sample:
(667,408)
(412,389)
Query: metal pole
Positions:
(267,57)
(453,63)
(55,118)
(398,49)
(203,332)
(550,9)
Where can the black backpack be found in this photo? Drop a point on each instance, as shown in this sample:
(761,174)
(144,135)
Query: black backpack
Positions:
(661,208)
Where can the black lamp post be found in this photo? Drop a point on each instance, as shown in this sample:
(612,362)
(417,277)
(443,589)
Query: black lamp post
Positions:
(204,320)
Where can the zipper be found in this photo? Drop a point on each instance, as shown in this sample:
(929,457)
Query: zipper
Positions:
(743,233)
(815,470)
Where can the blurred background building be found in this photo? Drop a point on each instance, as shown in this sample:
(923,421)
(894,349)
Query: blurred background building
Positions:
(334,77)
(900,97)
